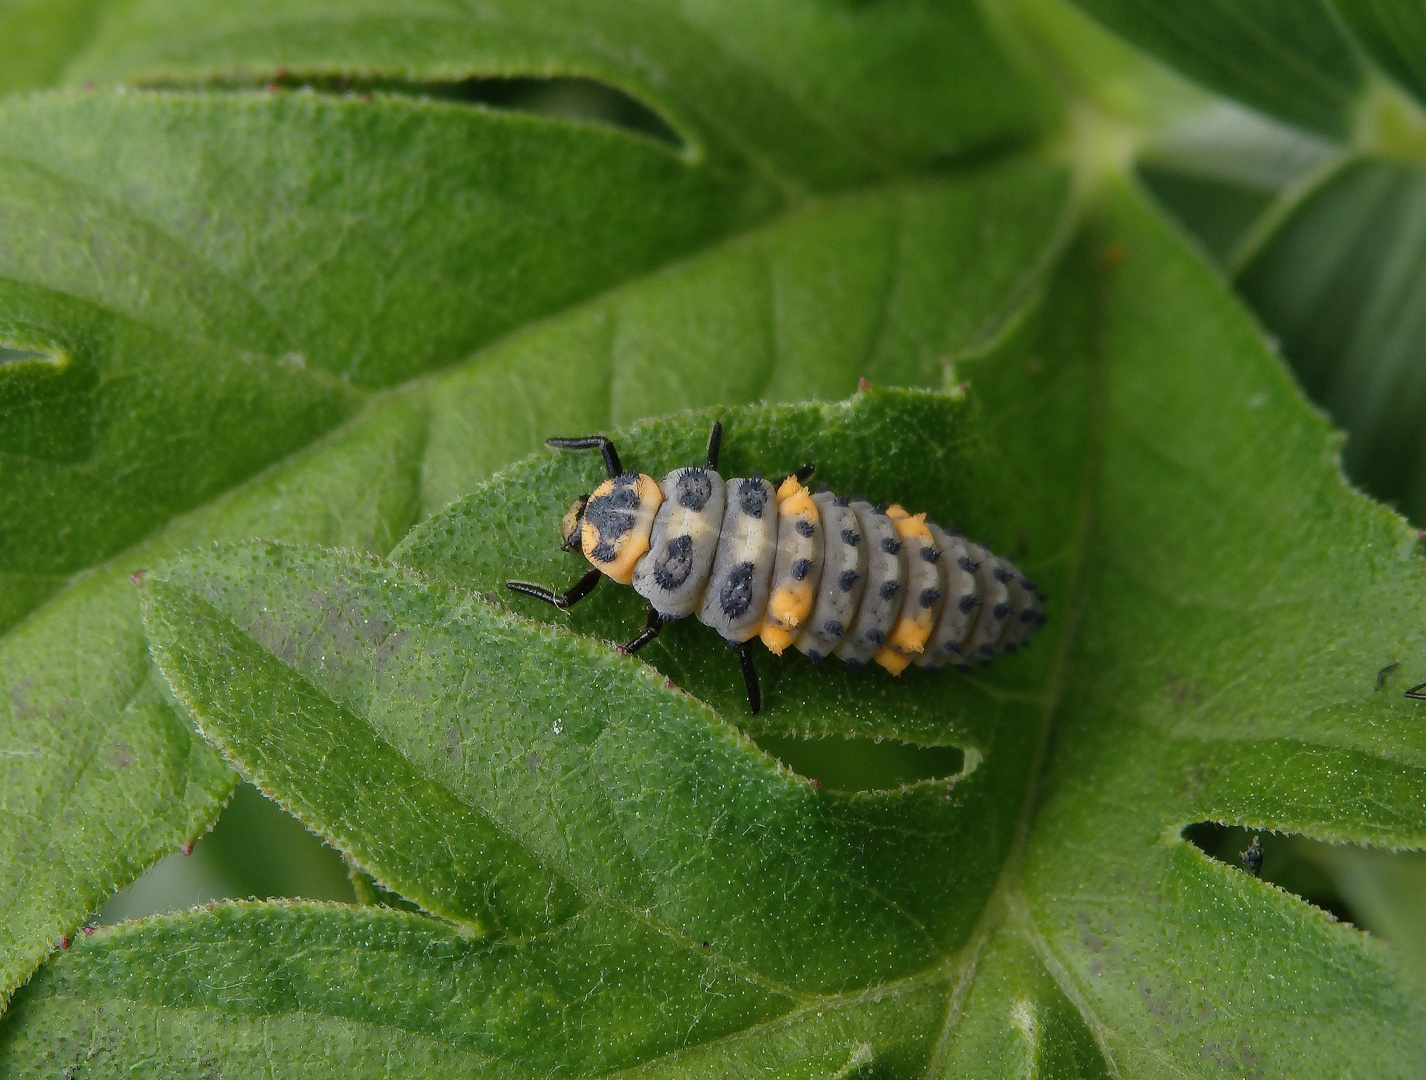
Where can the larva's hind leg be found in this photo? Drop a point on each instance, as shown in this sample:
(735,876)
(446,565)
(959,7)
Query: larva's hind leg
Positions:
(715,442)
(565,600)
(653,623)
(750,676)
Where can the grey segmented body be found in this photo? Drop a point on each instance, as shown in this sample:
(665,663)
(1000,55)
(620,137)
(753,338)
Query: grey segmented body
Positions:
(824,574)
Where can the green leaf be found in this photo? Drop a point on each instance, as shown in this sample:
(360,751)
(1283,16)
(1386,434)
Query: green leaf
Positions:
(882,285)
(511,778)
(1393,32)
(1237,603)
(41,36)
(383,993)
(1338,280)
(1291,60)
(324,295)
(1181,686)
(816,94)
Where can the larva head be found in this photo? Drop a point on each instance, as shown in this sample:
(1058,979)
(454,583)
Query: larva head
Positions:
(616,522)
(569,527)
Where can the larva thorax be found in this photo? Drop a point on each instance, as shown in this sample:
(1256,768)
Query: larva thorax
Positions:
(821,573)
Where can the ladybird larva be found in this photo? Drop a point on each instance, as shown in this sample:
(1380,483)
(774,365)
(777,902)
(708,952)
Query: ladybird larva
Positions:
(824,574)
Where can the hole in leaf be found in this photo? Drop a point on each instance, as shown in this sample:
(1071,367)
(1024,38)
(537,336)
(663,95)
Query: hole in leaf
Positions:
(1287,861)
(863,764)
(566,97)
(21,354)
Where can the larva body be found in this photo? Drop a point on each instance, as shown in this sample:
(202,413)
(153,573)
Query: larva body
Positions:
(825,574)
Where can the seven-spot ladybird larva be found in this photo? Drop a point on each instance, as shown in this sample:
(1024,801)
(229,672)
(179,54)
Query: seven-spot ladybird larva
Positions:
(824,573)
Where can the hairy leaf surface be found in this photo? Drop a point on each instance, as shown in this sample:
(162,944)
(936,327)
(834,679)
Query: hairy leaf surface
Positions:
(1291,60)
(237,242)
(853,287)
(1105,945)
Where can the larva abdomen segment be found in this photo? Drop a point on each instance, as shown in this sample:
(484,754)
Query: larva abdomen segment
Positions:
(736,597)
(842,581)
(683,541)
(819,572)
(797,566)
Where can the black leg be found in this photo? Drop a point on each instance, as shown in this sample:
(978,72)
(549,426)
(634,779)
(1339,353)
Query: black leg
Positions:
(1415,693)
(715,442)
(592,442)
(653,623)
(564,601)
(750,677)
(802,474)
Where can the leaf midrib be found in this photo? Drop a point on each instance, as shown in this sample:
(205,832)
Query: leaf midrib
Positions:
(1006,898)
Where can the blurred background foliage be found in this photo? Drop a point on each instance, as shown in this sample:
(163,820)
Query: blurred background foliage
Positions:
(1288,140)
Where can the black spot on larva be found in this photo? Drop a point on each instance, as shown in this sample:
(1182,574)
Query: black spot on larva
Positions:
(987,649)
(805,527)
(966,563)
(851,537)
(626,480)
(1010,647)
(612,515)
(842,500)
(832,628)
(1000,610)
(737,591)
(880,508)
(951,647)
(801,568)
(969,602)
(854,664)
(694,489)
(890,545)
(876,637)
(1002,575)
(847,579)
(931,554)
(888,589)
(814,656)
(604,552)
(752,497)
(929,597)
(674,563)
(1028,615)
